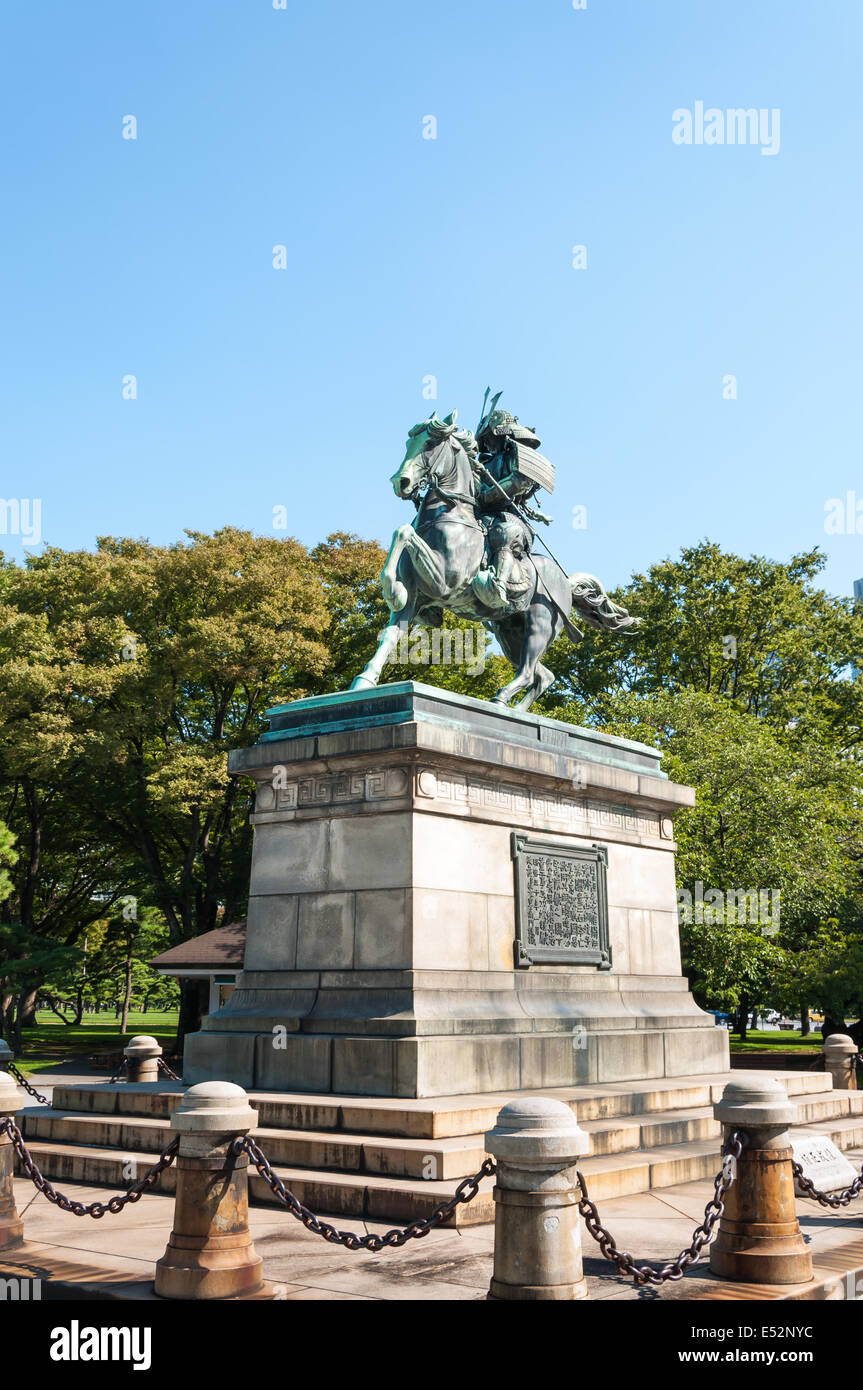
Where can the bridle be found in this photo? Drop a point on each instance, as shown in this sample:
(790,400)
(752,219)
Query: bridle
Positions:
(431,484)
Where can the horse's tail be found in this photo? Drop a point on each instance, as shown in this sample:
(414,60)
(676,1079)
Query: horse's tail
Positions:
(598,610)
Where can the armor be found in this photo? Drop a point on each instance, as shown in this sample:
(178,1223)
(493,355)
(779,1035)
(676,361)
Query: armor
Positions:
(511,470)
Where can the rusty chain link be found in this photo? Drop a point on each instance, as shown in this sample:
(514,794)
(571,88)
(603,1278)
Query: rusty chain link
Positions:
(828,1199)
(163,1066)
(95,1209)
(465,1192)
(119,1072)
(713,1212)
(22,1081)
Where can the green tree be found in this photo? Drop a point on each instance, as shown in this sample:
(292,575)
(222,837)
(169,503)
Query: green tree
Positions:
(774,813)
(129,673)
(757,632)
(50,689)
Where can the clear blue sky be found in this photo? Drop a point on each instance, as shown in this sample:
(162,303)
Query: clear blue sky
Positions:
(452,257)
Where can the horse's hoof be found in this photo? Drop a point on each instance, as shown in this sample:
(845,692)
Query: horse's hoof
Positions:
(362,683)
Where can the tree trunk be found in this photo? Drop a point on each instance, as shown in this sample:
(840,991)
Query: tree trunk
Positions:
(805,1021)
(743,1017)
(127,993)
(60,1010)
(27,1008)
(20,1015)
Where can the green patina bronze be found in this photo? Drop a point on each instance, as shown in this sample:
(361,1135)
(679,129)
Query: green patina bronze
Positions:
(470,548)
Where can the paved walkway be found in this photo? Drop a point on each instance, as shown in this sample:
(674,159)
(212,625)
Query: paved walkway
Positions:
(77,1072)
(445,1265)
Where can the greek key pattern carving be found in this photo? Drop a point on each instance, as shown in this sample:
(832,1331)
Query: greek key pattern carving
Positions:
(499,798)
(538,806)
(332,789)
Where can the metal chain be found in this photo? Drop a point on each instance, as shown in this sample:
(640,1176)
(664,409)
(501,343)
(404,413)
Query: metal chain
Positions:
(119,1072)
(163,1066)
(713,1212)
(95,1209)
(828,1199)
(465,1192)
(22,1081)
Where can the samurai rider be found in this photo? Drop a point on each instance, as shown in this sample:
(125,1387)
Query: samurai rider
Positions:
(511,470)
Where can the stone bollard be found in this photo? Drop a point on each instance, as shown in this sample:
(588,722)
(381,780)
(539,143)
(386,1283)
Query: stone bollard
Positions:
(142,1059)
(840,1059)
(11,1228)
(210,1253)
(759,1240)
(537,1225)
(6,1055)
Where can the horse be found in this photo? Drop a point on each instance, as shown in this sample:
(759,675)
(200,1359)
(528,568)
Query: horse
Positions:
(433,560)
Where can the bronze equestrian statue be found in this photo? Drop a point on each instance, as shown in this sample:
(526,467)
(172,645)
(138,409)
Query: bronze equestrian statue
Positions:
(469,549)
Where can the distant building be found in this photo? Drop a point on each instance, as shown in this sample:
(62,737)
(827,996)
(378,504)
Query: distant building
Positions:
(213,959)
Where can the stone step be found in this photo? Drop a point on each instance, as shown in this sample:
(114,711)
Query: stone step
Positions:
(391,1180)
(400,1156)
(398,1199)
(437,1118)
(328,1194)
(395,1160)
(447,1159)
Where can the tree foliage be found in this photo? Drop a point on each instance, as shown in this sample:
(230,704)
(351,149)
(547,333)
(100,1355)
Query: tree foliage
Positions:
(744,673)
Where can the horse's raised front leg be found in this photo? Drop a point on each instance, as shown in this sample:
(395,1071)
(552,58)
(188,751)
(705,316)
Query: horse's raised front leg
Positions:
(396,627)
(395,592)
(428,565)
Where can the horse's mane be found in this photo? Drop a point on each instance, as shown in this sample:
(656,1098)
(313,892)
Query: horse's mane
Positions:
(439,430)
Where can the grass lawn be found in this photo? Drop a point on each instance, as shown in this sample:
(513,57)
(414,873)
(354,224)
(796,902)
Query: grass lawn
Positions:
(52,1042)
(783,1041)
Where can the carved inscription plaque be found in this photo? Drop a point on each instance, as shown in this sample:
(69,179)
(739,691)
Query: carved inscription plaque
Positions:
(561,904)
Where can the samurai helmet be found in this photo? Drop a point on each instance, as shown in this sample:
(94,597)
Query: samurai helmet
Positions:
(496,426)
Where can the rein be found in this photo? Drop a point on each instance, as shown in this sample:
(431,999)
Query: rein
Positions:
(450,499)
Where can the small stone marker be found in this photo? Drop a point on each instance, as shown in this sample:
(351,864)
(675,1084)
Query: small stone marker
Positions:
(822,1163)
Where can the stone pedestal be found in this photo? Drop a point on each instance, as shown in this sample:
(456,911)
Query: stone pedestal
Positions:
(11,1228)
(840,1060)
(142,1058)
(537,1225)
(210,1253)
(449,897)
(759,1239)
